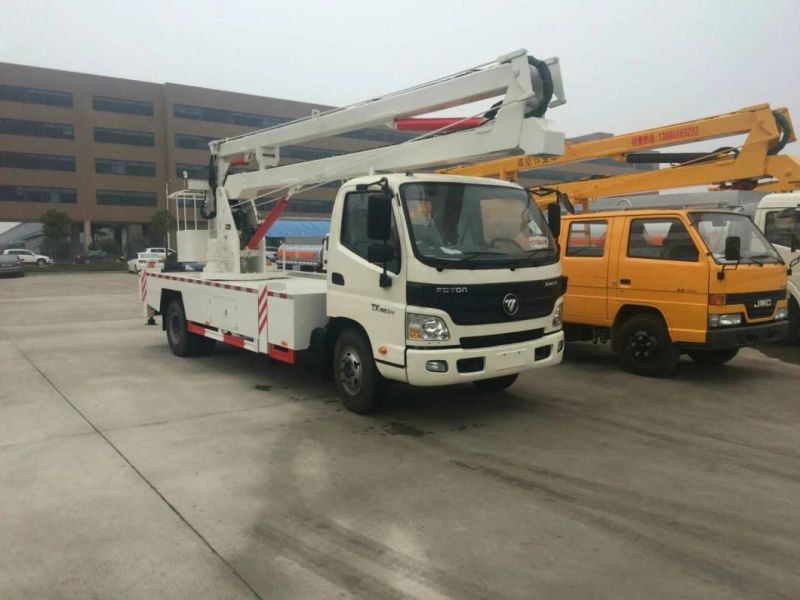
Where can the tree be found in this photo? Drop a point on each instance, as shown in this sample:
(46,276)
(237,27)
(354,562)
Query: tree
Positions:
(56,227)
(160,223)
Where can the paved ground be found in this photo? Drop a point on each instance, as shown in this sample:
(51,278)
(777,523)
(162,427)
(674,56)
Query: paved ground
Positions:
(128,473)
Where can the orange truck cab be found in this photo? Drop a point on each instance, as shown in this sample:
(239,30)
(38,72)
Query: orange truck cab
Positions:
(662,282)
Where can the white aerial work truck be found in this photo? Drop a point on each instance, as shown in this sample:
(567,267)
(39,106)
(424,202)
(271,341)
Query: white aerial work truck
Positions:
(428,279)
(778,216)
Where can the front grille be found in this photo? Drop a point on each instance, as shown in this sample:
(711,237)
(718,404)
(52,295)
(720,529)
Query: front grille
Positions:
(482,304)
(500,339)
(767,301)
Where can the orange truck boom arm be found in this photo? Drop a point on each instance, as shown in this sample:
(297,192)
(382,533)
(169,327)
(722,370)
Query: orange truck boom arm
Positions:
(767,130)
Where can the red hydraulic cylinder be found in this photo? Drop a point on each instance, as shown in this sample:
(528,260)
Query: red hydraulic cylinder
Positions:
(268,222)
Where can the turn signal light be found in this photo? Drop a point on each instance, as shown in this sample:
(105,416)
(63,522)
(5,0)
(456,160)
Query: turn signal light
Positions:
(716,299)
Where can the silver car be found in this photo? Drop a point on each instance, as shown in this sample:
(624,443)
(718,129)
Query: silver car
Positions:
(11,266)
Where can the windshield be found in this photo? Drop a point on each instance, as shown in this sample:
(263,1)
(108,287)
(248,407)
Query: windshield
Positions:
(715,227)
(471,225)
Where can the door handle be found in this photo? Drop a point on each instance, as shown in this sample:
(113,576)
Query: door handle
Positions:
(624,281)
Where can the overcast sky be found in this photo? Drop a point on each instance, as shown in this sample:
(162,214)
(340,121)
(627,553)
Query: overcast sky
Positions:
(626,64)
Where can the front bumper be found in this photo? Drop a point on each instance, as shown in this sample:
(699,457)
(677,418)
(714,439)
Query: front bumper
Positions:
(746,335)
(496,361)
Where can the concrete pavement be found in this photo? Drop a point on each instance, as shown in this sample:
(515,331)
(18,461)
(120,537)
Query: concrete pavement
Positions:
(126,472)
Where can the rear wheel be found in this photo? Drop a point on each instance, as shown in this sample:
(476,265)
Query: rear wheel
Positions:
(354,372)
(496,384)
(644,347)
(712,357)
(183,342)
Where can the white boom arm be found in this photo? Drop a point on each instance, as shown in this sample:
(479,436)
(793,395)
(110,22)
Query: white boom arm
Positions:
(510,132)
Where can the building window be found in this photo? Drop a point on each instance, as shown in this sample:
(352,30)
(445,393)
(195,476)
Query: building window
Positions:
(193,171)
(587,238)
(123,198)
(59,131)
(117,105)
(28,193)
(128,137)
(192,142)
(216,115)
(354,230)
(664,239)
(109,166)
(28,95)
(46,162)
(307,153)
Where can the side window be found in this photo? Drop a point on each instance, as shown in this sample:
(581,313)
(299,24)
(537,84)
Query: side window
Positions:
(662,239)
(354,230)
(779,229)
(587,238)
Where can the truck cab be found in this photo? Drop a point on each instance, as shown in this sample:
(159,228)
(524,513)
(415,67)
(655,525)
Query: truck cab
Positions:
(777,216)
(662,282)
(440,279)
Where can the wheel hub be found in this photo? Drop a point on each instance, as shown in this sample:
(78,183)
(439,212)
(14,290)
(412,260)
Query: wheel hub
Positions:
(350,371)
(643,346)
(175,328)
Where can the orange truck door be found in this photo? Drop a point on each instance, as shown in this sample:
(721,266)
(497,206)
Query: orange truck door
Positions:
(585,263)
(660,265)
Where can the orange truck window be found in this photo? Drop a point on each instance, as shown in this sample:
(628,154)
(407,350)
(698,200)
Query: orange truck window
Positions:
(661,239)
(587,238)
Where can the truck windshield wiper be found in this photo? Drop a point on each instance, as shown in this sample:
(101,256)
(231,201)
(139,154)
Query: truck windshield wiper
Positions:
(756,258)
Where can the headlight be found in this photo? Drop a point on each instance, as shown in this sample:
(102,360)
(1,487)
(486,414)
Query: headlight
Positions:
(426,327)
(781,313)
(725,320)
(558,314)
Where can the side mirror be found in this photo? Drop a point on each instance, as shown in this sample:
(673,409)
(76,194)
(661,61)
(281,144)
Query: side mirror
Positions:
(379,217)
(733,248)
(554,219)
(380,254)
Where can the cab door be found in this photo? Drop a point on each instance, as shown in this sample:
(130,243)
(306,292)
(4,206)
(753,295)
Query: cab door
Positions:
(354,289)
(660,266)
(585,262)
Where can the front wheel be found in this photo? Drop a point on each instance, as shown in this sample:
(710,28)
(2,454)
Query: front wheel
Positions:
(496,384)
(644,347)
(356,378)
(41,262)
(712,357)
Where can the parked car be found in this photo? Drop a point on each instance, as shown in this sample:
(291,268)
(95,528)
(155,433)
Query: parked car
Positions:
(161,251)
(146,260)
(30,258)
(95,256)
(11,266)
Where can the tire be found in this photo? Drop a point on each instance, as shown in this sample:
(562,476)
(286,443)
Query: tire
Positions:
(644,347)
(41,262)
(354,373)
(496,384)
(712,357)
(794,322)
(183,342)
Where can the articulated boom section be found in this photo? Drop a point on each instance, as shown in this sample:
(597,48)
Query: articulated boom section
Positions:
(527,86)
